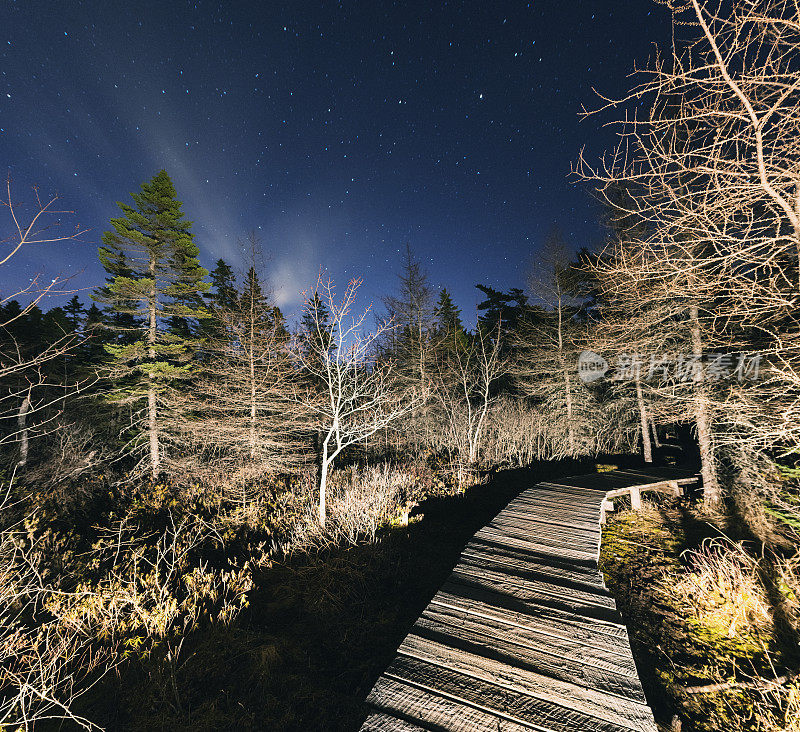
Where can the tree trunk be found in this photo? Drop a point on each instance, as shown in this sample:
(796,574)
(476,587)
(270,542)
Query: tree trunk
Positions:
(644,423)
(711,490)
(152,407)
(252,365)
(323,482)
(22,425)
(570,425)
(152,429)
(252,408)
(567,383)
(653,427)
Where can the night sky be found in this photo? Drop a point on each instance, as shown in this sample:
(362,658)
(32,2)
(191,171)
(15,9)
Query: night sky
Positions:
(338,131)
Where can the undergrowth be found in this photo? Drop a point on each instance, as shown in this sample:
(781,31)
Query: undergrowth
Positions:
(319,627)
(701,612)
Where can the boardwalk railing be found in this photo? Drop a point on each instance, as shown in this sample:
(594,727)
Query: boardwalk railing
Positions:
(524,634)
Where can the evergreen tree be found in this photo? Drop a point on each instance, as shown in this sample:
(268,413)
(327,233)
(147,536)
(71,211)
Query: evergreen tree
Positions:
(449,328)
(96,335)
(74,312)
(33,335)
(120,325)
(412,313)
(12,317)
(279,323)
(223,280)
(504,309)
(315,327)
(155,282)
(448,314)
(56,325)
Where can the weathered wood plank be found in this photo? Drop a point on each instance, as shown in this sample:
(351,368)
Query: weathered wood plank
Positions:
(380,722)
(530,636)
(539,594)
(613,709)
(539,713)
(607,638)
(560,539)
(542,532)
(528,651)
(558,579)
(558,521)
(537,544)
(556,495)
(554,510)
(432,707)
(539,557)
(545,516)
(514,564)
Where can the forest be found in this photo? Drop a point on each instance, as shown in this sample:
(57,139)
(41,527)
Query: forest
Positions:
(215,516)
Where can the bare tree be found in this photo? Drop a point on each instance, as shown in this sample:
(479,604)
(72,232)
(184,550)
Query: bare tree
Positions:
(245,424)
(463,376)
(45,663)
(24,371)
(42,661)
(351,393)
(713,175)
(548,342)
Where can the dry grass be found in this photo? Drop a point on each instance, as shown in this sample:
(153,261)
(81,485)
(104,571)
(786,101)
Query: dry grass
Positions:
(779,708)
(360,502)
(722,589)
(702,623)
(788,571)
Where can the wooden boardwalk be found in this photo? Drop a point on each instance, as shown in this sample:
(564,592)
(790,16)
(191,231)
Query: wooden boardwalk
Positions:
(524,635)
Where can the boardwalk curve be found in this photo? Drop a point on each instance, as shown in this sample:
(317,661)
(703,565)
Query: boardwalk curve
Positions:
(523,635)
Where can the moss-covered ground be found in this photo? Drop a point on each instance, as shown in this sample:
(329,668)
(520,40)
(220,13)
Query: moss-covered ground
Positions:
(686,634)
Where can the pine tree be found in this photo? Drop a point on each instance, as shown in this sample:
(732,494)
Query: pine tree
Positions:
(504,310)
(96,336)
(278,320)
(155,283)
(120,326)
(315,327)
(74,310)
(223,281)
(448,314)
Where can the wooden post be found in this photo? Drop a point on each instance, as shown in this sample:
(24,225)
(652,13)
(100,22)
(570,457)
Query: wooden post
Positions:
(636,499)
(605,507)
(677,489)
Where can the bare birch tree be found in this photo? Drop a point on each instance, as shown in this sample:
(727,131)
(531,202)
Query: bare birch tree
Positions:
(351,394)
(44,663)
